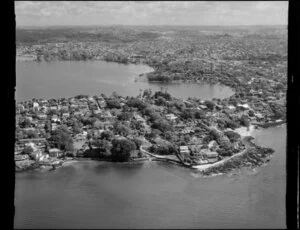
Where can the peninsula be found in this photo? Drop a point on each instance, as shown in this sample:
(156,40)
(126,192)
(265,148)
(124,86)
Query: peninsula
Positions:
(195,133)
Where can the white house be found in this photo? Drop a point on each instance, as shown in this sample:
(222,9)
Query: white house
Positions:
(231,107)
(35,105)
(184,150)
(171,117)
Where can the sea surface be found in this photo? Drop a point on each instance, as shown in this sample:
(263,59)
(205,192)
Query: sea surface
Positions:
(69,78)
(93,194)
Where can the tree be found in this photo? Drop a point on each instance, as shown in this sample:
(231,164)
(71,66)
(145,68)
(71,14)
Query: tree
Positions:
(136,125)
(76,128)
(107,135)
(138,142)
(228,123)
(32,134)
(52,112)
(28,150)
(113,103)
(60,138)
(169,136)
(164,149)
(199,114)
(147,93)
(104,147)
(47,126)
(165,95)
(188,114)
(26,123)
(19,134)
(154,116)
(251,113)
(121,129)
(244,120)
(97,124)
(232,136)
(121,149)
(154,133)
(210,105)
(161,101)
(162,125)
(137,103)
(124,116)
(81,96)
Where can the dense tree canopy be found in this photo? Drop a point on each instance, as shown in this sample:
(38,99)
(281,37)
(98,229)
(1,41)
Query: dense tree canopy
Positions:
(61,138)
(113,103)
(137,103)
(125,116)
(233,136)
(104,147)
(121,149)
(162,125)
(107,135)
(244,120)
(26,123)
(27,150)
(122,129)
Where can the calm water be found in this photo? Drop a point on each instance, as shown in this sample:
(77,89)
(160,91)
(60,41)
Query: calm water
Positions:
(154,195)
(68,79)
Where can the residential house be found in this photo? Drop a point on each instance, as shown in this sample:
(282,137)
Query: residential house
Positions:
(38,155)
(54,152)
(202,107)
(65,115)
(42,116)
(231,107)
(21,157)
(184,150)
(36,105)
(53,107)
(54,126)
(243,106)
(212,156)
(171,117)
(55,119)
(79,113)
(187,131)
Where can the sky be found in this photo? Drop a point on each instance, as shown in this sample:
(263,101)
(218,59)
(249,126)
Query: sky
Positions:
(49,13)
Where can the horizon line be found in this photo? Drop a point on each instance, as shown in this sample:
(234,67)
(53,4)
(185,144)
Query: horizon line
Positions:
(102,25)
